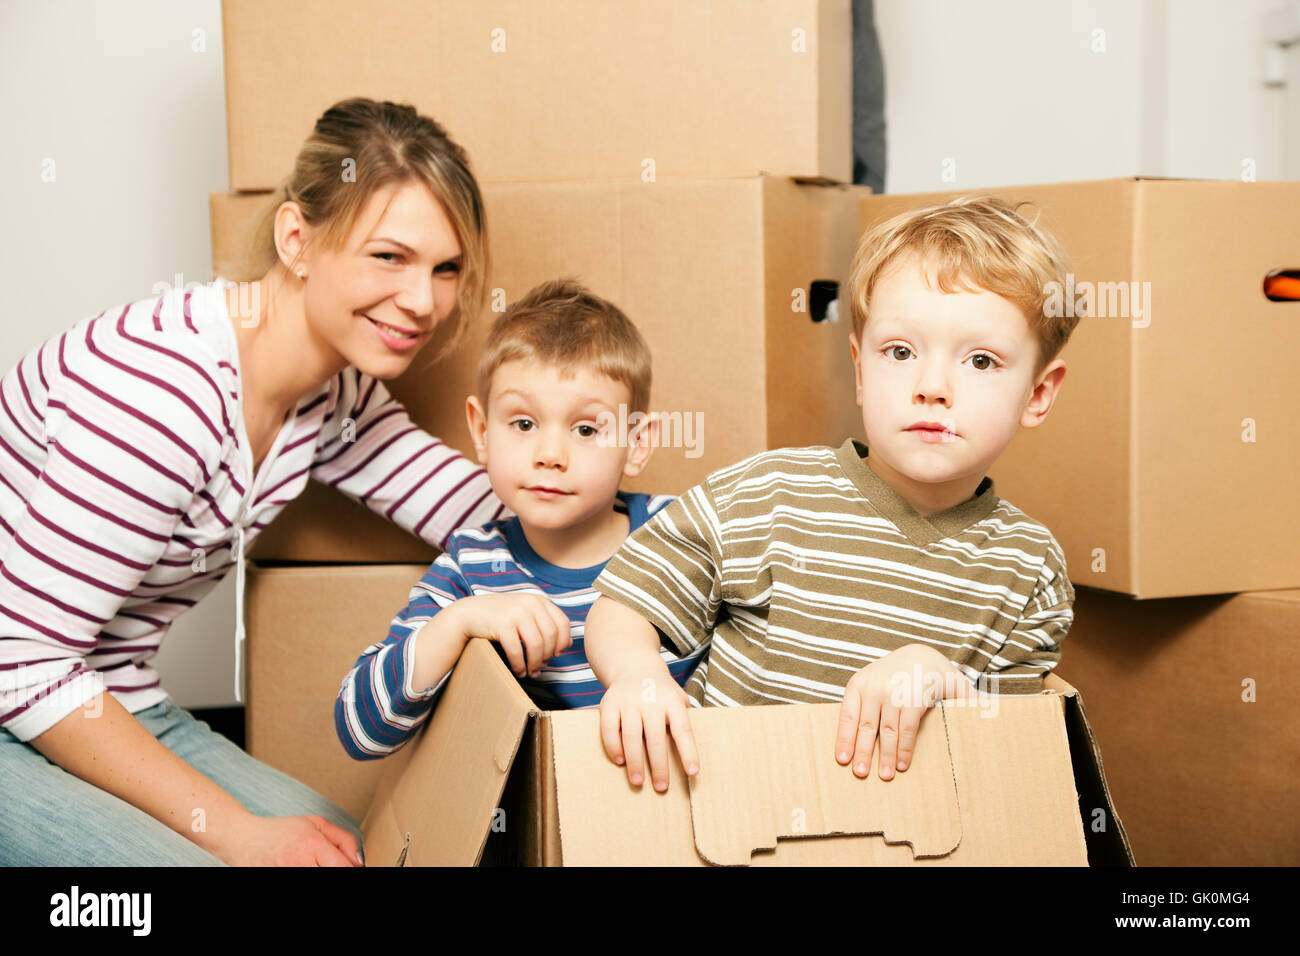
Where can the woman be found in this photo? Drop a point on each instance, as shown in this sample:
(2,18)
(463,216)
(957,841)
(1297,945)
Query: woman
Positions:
(141,451)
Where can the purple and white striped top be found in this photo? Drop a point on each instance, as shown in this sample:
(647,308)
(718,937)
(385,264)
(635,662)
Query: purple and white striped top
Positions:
(126,491)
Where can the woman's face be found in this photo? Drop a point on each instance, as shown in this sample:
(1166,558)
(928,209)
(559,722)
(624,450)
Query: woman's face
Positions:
(377,300)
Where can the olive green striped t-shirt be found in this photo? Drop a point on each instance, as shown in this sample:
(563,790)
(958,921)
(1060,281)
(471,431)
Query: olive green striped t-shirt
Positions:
(801,566)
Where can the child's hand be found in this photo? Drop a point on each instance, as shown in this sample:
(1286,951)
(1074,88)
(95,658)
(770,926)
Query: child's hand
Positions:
(639,705)
(530,629)
(889,697)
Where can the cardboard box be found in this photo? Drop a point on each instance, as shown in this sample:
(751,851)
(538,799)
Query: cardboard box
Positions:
(493,779)
(1194,701)
(726,280)
(544,91)
(1159,468)
(306,628)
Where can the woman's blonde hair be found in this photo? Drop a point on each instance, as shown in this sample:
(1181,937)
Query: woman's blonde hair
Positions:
(358,147)
(564,324)
(971,240)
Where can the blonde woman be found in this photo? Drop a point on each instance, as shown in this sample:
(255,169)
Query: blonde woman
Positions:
(144,449)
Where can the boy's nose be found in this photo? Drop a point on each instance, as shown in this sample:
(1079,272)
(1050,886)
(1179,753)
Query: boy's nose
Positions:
(549,452)
(933,385)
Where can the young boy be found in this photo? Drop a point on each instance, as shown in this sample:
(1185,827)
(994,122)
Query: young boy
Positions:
(886,574)
(554,370)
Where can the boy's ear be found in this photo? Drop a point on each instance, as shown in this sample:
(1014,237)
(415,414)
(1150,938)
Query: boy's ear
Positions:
(1044,394)
(641,442)
(477,419)
(857,368)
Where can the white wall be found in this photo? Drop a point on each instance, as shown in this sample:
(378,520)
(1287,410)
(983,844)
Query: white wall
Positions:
(1010,90)
(134,119)
(1029,91)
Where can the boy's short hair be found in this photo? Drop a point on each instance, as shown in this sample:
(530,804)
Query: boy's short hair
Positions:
(982,240)
(563,323)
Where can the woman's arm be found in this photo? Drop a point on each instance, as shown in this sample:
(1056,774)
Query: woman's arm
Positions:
(107,747)
(371,450)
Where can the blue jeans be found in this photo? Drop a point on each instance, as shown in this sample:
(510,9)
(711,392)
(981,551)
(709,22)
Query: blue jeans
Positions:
(48,817)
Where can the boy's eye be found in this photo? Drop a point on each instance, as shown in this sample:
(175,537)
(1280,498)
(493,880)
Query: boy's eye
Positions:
(523,424)
(588,431)
(989,362)
(893,351)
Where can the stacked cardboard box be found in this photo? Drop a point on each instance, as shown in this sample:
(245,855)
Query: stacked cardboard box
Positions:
(687,160)
(1160,471)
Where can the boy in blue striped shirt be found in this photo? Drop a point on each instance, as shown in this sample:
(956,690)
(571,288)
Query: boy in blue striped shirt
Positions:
(546,422)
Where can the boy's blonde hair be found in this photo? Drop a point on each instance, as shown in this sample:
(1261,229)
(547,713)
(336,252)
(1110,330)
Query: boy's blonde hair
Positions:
(562,323)
(384,144)
(971,240)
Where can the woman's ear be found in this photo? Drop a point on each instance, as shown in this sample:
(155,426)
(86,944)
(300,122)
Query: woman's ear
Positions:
(476,418)
(641,443)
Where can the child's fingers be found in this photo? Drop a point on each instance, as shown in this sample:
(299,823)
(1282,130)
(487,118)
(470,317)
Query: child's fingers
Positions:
(909,723)
(533,644)
(609,735)
(868,724)
(889,721)
(680,724)
(847,736)
(514,651)
(630,728)
(564,634)
(656,744)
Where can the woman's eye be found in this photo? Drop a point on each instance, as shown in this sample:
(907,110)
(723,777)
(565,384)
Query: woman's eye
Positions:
(380,255)
(449,267)
(893,350)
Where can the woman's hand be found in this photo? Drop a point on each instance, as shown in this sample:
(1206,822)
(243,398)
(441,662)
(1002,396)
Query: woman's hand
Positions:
(290,841)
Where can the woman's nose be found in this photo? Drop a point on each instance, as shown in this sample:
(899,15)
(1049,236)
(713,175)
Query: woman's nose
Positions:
(416,296)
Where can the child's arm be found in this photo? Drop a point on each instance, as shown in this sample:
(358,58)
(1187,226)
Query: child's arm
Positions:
(1033,647)
(396,683)
(641,696)
(887,698)
(667,577)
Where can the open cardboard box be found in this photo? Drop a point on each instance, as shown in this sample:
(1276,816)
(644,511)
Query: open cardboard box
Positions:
(492,779)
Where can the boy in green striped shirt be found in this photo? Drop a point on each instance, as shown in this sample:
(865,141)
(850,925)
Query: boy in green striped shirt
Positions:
(887,574)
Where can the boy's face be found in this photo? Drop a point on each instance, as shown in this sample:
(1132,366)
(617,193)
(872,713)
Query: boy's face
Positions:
(963,361)
(551,452)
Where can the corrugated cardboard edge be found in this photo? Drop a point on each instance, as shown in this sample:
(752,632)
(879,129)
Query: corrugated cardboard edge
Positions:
(826,787)
(1109,848)
(481,697)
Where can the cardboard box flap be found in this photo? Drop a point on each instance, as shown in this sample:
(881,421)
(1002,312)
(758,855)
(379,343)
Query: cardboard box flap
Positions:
(469,744)
(769,773)
(1107,841)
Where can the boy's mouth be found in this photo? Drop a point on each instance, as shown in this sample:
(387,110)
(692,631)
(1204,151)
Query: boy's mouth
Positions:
(547,492)
(933,430)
